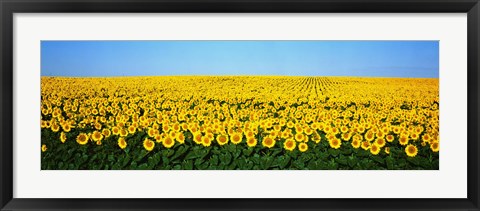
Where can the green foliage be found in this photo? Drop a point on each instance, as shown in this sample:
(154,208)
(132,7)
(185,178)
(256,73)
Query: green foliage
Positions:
(190,156)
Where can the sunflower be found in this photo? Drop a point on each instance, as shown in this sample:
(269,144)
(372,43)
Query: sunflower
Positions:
(435,146)
(396,130)
(249,134)
(165,127)
(358,137)
(299,137)
(206,141)
(122,143)
(44,148)
(380,142)
(180,137)
(63,137)
(148,144)
(66,127)
(43,124)
(334,143)
(115,130)
(317,138)
(210,136)
(346,136)
(387,150)
(252,142)
(290,124)
(374,149)
(176,127)
(414,136)
(168,142)
(390,138)
(106,132)
(236,138)
(197,137)
(222,139)
(55,127)
(369,136)
(277,128)
(98,126)
(302,147)
(82,138)
(426,138)
(123,133)
(268,142)
(158,138)
(355,143)
(132,129)
(308,131)
(97,136)
(365,145)
(411,150)
(289,144)
(152,132)
(298,128)
(403,140)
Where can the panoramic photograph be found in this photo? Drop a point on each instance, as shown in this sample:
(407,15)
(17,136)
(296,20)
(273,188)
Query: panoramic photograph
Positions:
(239,105)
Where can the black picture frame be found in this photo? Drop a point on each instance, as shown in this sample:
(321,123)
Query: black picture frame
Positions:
(9,7)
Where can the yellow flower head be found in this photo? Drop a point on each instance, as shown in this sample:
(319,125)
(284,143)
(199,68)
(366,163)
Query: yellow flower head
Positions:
(97,136)
(289,144)
(148,144)
(387,150)
(268,142)
(403,140)
(180,137)
(299,137)
(44,148)
(63,137)
(380,142)
(122,143)
(132,129)
(411,150)
(302,147)
(222,139)
(435,146)
(355,144)
(252,142)
(106,132)
(390,138)
(236,138)
(197,138)
(365,145)
(82,138)
(334,143)
(374,149)
(168,142)
(206,141)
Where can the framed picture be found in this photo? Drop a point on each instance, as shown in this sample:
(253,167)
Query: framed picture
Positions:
(239,105)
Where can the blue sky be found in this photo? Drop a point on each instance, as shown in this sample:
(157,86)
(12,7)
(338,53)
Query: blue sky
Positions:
(418,59)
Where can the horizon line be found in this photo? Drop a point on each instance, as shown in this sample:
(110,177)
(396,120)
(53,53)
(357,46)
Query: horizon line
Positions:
(132,76)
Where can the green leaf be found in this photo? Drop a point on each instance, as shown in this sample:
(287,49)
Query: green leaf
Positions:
(333,152)
(342,160)
(180,151)
(125,161)
(415,161)
(225,158)
(143,166)
(187,164)
(284,162)
(266,162)
(389,161)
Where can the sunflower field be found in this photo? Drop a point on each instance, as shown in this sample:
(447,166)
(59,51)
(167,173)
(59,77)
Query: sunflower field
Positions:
(239,122)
